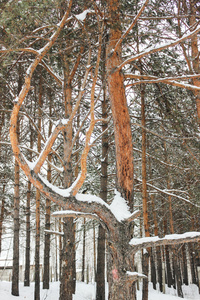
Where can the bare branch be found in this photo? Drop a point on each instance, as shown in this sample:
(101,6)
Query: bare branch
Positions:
(131,26)
(92,123)
(163,191)
(43,155)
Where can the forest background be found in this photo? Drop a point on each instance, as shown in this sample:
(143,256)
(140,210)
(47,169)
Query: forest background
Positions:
(154,48)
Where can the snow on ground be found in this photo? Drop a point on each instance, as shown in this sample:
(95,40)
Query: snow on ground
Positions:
(87,292)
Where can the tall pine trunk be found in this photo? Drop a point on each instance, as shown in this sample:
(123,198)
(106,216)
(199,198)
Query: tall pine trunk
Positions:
(2,116)
(37,212)
(119,285)
(144,196)
(46,274)
(68,276)
(28,228)
(100,275)
(2,211)
(15,271)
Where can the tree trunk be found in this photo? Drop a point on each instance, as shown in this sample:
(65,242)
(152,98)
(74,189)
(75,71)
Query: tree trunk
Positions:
(28,230)
(153,269)
(68,278)
(121,118)
(145,267)
(15,271)
(37,213)
(195,55)
(27,255)
(100,275)
(192,263)
(119,285)
(46,275)
(168,265)
(83,253)
(144,196)
(4,185)
(185,271)
(37,248)
(158,249)
(2,211)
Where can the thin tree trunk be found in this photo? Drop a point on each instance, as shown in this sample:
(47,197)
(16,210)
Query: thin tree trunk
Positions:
(145,270)
(15,271)
(46,274)
(37,213)
(68,278)
(94,247)
(100,275)
(60,250)
(192,263)
(4,185)
(2,212)
(144,196)
(83,253)
(185,269)
(195,55)
(158,249)
(28,229)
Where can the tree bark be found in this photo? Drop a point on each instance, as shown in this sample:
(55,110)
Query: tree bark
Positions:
(4,185)
(37,212)
(28,232)
(15,271)
(28,228)
(100,275)
(195,55)
(145,267)
(68,278)
(83,254)
(144,195)
(2,212)
(46,274)
(121,118)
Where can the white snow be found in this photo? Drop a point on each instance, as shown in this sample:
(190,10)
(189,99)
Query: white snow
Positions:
(60,191)
(139,241)
(119,207)
(135,274)
(81,17)
(87,292)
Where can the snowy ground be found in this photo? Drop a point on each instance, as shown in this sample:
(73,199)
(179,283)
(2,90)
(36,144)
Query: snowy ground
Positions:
(87,292)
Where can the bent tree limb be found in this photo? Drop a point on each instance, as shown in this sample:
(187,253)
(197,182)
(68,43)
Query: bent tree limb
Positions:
(25,89)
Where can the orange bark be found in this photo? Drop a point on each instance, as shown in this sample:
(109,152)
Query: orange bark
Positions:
(121,118)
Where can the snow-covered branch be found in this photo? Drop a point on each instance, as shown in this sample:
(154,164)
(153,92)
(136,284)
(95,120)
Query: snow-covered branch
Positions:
(172,239)
(53,232)
(159,48)
(169,80)
(163,191)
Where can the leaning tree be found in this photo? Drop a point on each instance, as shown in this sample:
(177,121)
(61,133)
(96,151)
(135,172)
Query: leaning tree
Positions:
(117,218)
